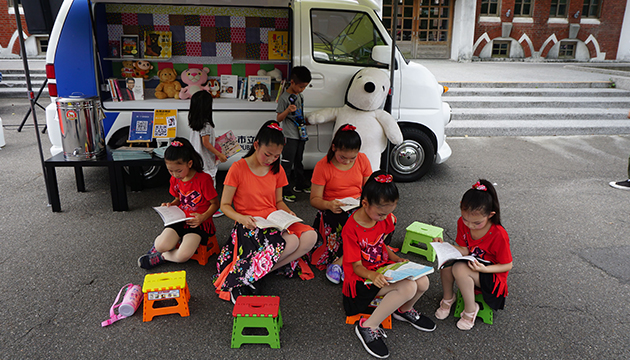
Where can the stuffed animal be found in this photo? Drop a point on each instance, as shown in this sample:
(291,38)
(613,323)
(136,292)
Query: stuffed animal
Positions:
(275,74)
(215,88)
(169,87)
(366,94)
(142,68)
(194,80)
(127,70)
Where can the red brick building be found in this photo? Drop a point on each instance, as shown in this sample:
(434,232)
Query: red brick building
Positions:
(9,42)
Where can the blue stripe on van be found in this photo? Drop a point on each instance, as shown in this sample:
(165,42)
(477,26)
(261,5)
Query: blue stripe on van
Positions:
(108,122)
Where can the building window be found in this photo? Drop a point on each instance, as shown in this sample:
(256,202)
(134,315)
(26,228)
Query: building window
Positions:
(42,45)
(558,8)
(405,18)
(12,9)
(590,8)
(490,8)
(434,20)
(567,50)
(501,49)
(523,7)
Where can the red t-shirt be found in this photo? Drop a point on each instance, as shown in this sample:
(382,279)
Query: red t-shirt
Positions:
(194,195)
(494,246)
(255,195)
(339,184)
(365,245)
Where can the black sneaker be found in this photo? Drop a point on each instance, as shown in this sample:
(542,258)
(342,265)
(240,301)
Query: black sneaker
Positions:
(149,261)
(416,319)
(622,185)
(245,290)
(372,340)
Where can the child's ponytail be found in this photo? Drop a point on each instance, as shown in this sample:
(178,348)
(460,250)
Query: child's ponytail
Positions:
(482,197)
(182,150)
(346,138)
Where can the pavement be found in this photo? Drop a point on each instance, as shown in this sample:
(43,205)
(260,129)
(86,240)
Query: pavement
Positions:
(569,287)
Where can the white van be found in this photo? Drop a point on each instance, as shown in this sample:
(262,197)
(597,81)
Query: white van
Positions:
(333,38)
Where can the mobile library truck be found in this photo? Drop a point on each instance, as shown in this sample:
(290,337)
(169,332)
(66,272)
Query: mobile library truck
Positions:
(333,38)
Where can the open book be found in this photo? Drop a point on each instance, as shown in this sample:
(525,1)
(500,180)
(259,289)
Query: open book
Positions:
(171,214)
(404,270)
(278,219)
(447,254)
(350,203)
(227,144)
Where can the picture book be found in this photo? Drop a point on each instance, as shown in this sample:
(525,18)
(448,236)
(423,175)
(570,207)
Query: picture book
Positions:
(350,203)
(141,129)
(214,83)
(259,88)
(229,86)
(227,144)
(171,214)
(164,124)
(129,46)
(404,270)
(278,45)
(157,44)
(130,89)
(278,219)
(111,82)
(447,254)
(280,89)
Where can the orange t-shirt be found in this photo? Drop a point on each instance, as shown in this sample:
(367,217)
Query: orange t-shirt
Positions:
(339,184)
(255,195)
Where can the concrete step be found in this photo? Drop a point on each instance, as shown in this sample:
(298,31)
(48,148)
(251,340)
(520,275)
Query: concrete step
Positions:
(20,83)
(21,76)
(538,102)
(536,92)
(539,114)
(533,84)
(537,127)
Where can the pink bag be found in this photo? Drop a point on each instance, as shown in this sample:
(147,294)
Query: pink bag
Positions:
(130,303)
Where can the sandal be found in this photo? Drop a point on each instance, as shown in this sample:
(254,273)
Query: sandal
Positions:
(467,324)
(445,308)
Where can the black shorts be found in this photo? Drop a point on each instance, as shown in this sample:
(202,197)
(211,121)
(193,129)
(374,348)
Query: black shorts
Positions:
(182,229)
(491,298)
(360,304)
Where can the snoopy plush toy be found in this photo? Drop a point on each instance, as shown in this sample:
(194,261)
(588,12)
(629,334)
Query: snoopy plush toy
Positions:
(365,96)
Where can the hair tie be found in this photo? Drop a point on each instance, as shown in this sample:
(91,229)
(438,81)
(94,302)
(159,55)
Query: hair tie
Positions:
(274,126)
(348,127)
(384,179)
(479,186)
(177,144)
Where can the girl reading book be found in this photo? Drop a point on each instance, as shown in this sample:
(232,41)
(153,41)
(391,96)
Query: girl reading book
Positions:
(479,233)
(253,187)
(364,252)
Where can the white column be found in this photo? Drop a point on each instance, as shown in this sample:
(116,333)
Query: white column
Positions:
(623,51)
(463,30)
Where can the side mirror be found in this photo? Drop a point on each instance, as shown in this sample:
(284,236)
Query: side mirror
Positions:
(382,54)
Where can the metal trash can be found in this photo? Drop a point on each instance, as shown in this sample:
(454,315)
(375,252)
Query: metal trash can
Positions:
(81,125)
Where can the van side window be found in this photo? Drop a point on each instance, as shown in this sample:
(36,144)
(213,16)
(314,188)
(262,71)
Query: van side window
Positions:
(344,37)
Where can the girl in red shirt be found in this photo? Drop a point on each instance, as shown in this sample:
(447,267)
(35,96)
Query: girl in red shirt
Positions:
(479,233)
(339,175)
(253,187)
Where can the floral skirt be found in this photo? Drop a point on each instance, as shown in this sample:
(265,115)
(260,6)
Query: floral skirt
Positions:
(329,246)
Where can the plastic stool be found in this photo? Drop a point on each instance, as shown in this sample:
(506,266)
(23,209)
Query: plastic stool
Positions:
(386,324)
(485,311)
(203,252)
(165,286)
(257,312)
(418,233)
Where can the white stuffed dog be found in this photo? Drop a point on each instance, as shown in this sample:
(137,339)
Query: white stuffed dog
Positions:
(365,97)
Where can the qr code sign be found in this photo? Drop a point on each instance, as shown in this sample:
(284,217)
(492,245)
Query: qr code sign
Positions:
(142,125)
(160,130)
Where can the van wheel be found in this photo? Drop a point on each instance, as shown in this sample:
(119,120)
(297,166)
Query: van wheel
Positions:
(412,159)
(152,175)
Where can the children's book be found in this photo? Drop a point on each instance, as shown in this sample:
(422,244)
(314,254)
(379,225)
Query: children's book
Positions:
(164,124)
(171,214)
(129,46)
(280,89)
(157,44)
(227,144)
(259,88)
(244,89)
(278,219)
(350,203)
(447,254)
(229,86)
(278,45)
(403,270)
(112,89)
(141,129)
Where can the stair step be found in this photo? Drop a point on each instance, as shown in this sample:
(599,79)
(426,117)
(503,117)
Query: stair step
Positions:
(8,77)
(21,71)
(21,92)
(538,113)
(536,128)
(533,102)
(533,84)
(536,92)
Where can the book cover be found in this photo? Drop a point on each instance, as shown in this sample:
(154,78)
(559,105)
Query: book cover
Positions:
(130,89)
(141,126)
(244,89)
(404,270)
(157,44)
(112,89)
(280,89)
(259,88)
(129,46)
(229,86)
(171,214)
(278,45)
(164,124)
(227,144)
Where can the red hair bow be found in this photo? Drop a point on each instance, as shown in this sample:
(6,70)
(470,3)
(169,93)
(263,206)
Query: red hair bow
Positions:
(479,186)
(384,179)
(348,127)
(177,144)
(274,126)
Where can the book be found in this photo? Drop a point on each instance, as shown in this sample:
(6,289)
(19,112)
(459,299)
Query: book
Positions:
(350,203)
(278,45)
(244,89)
(280,89)
(117,90)
(130,89)
(447,254)
(278,219)
(171,214)
(164,124)
(157,44)
(229,86)
(141,128)
(129,46)
(259,88)
(403,270)
(227,144)
(112,89)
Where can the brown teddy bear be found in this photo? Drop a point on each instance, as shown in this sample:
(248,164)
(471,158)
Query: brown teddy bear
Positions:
(169,87)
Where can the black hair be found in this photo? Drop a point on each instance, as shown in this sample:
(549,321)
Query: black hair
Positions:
(483,201)
(267,136)
(377,193)
(301,75)
(344,140)
(200,112)
(184,153)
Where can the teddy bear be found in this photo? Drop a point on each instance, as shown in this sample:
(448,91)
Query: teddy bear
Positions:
(366,94)
(194,79)
(127,70)
(142,68)
(169,87)
(215,88)
(276,74)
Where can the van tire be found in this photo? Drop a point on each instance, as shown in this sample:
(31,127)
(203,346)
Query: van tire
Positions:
(412,159)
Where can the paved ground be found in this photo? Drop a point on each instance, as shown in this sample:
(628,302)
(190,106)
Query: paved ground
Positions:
(569,288)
